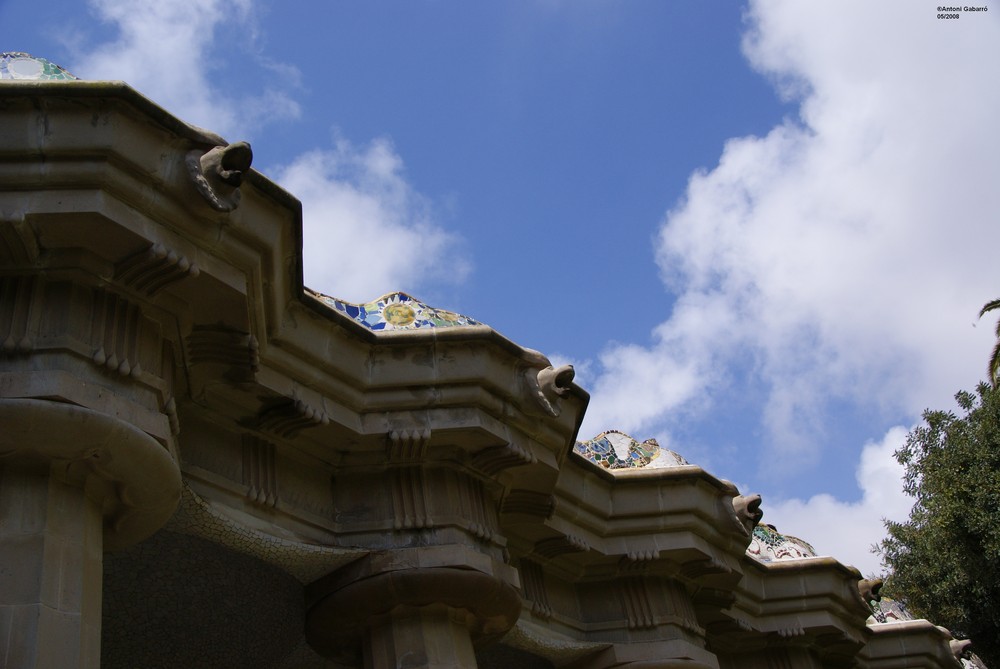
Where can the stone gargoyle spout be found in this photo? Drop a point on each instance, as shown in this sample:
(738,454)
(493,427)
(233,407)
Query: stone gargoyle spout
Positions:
(870,589)
(549,384)
(218,173)
(748,511)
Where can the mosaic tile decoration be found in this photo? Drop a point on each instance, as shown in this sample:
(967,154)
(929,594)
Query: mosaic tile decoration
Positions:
(769,545)
(23,66)
(396,311)
(888,610)
(616,450)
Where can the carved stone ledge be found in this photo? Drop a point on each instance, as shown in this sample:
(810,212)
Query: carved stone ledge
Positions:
(153,269)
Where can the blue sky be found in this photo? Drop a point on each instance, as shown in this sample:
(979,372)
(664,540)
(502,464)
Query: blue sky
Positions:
(761,230)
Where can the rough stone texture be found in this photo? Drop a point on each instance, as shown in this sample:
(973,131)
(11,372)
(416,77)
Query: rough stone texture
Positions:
(182,601)
(50,549)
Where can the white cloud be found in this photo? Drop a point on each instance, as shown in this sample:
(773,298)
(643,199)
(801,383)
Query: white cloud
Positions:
(366,230)
(847,530)
(844,255)
(181,53)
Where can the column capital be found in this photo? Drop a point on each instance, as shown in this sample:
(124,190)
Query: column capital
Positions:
(136,476)
(478,591)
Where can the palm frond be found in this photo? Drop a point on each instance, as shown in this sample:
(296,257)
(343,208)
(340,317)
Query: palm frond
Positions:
(993,371)
(992,305)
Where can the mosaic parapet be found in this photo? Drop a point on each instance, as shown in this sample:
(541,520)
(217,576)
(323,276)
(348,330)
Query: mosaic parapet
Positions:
(769,545)
(395,311)
(25,67)
(616,450)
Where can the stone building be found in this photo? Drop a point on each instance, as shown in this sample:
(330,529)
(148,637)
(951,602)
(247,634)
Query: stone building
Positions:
(205,464)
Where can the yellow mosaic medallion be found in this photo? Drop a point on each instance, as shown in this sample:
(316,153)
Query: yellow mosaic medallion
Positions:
(399,315)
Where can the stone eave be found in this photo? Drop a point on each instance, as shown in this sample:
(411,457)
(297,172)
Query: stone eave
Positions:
(676,521)
(258,246)
(791,601)
(908,643)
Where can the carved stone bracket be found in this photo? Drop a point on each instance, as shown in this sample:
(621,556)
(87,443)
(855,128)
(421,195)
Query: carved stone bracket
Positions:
(16,297)
(533,589)
(638,560)
(259,473)
(528,503)
(636,604)
(408,445)
(153,269)
(224,346)
(409,499)
(115,331)
(492,461)
(18,244)
(289,417)
(218,173)
(556,546)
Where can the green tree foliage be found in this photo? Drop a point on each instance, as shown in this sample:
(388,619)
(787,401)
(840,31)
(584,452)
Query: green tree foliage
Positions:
(993,371)
(945,560)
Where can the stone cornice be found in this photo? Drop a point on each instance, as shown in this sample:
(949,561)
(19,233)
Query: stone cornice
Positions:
(127,217)
(813,601)
(909,643)
(676,521)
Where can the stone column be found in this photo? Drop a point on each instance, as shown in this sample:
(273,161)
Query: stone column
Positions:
(420,608)
(435,637)
(50,571)
(72,483)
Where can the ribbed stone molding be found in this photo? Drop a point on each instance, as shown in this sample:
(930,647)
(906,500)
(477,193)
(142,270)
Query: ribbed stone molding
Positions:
(432,604)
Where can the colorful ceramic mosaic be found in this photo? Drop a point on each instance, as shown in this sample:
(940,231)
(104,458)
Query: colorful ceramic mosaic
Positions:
(17,65)
(396,311)
(889,610)
(617,450)
(769,545)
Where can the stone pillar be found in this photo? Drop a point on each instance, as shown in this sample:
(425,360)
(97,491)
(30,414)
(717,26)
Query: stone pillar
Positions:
(435,637)
(72,483)
(420,608)
(50,571)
